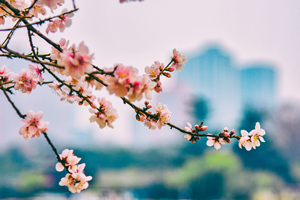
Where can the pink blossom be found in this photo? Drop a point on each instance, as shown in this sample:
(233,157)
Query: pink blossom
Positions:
(105,115)
(76,62)
(158,87)
(93,82)
(119,83)
(4,71)
(55,54)
(77,180)
(179,60)
(36,71)
(71,98)
(215,141)
(154,70)
(188,129)
(141,85)
(25,82)
(245,141)
(57,88)
(150,124)
(52,4)
(33,126)
(164,115)
(60,23)
(36,10)
(2,20)
(83,87)
(68,159)
(68,181)
(256,135)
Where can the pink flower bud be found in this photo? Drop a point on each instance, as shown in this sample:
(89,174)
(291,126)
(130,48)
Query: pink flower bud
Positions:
(166,74)
(170,69)
(204,128)
(232,132)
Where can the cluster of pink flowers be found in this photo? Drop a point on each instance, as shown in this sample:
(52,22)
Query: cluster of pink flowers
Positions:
(253,138)
(155,71)
(161,118)
(35,10)
(76,61)
(75,180)
(52,4)
(60,23)
(104,115)
(25,81)
(33,125)
(191,136)
(179,60)
(125,82)
(5,77)
(222,138)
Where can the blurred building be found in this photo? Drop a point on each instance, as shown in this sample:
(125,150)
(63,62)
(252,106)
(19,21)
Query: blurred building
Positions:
(213,74)
(258,86)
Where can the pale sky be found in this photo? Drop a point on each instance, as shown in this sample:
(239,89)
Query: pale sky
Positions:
(139,33)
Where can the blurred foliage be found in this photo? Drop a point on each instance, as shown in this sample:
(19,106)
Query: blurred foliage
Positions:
(268,156)
(200,108)
(190,171)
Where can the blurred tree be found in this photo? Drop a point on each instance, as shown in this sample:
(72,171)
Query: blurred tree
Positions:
(200,108)
(269,157)
(289,126)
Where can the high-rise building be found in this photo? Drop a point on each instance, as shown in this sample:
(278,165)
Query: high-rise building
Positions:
(213,75)
(258,88)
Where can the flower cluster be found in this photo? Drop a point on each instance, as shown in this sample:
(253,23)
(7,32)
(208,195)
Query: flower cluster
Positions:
(153,121)
(191,135)
(75,180)
(5,77)
(104,115)
(155,71)
(124,81)
(179,60)
(37,8)
(52,4)
(76,61)
(253,138)
(60,23)
(33,126)
(25,81)
(222,138)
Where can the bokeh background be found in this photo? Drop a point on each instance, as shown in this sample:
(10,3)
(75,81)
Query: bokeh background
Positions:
(243,68)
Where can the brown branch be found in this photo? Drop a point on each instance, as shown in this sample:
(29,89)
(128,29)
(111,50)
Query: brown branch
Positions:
(25,57)
(11,102)
(29,26)
(42,21)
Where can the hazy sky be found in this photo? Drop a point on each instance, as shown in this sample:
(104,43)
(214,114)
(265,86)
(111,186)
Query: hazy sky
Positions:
(139,33)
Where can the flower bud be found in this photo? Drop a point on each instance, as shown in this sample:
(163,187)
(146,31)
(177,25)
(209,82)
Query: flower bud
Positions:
(166,74)
(232,132)
(204,128)
(170,69)
(226,129)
